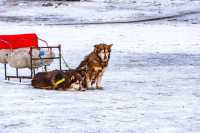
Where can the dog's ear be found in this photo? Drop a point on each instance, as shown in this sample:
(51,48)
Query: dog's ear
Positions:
(110,45)
(96,47)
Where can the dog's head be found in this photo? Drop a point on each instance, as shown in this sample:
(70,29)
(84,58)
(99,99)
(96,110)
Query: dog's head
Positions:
(103,51)
(40,80)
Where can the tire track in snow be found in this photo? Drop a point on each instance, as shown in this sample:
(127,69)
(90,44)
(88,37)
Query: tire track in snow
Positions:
(136,21)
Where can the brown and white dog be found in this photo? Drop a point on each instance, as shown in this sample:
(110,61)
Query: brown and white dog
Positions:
(95,64)
(59,80)
(52,80)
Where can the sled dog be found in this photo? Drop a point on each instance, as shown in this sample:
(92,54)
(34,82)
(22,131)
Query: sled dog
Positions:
(95,64)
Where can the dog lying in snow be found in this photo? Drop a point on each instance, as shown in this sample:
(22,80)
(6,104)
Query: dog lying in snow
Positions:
(95,64)
(49,80)
(59,80)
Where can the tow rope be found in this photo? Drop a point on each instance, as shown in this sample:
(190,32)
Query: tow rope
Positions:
(64,61)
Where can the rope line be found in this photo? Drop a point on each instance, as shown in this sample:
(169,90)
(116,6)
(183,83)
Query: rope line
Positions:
(64,61)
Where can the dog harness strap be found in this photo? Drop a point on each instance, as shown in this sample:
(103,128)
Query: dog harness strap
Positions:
(59,82)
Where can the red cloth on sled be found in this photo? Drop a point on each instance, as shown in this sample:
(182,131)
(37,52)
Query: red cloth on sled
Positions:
(18,41)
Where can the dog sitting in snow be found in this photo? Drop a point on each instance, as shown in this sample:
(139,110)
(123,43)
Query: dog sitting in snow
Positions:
(59,80)
(95,64)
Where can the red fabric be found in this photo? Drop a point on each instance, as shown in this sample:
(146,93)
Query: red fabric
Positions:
(18,41)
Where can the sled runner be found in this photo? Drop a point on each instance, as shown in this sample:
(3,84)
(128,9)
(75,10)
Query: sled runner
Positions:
(23,51)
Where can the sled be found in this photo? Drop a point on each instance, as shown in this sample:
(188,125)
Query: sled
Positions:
(23,42)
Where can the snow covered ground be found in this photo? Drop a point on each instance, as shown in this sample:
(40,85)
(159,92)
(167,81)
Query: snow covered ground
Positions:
(151,85)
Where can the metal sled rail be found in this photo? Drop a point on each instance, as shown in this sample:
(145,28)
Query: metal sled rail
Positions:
(32,68)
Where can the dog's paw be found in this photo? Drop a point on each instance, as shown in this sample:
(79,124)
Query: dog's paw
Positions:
(91,88)
(82,89)
(99,88)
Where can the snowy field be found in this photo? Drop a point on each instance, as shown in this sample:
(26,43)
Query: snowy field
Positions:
(151,85)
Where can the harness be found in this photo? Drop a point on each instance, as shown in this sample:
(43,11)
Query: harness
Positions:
(58,82)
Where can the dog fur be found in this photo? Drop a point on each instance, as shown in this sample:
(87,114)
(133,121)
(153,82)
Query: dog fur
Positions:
(74,79)
(47,80)
(95,64)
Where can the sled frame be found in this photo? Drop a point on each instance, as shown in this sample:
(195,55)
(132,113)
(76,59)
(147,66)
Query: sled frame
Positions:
(32,69)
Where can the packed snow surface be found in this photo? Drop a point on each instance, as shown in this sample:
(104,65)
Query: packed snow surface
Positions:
(151,85)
